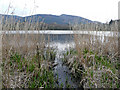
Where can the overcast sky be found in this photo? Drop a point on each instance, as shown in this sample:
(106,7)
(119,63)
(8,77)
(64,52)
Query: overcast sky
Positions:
(96,10)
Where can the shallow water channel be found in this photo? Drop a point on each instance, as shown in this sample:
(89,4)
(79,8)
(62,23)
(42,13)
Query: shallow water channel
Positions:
(61,71)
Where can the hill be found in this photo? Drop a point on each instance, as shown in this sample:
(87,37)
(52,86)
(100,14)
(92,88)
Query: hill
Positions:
(52,21)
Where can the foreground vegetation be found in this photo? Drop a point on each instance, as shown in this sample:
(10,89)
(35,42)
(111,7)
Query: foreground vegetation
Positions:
(35,72)
(95,59)
(94,70)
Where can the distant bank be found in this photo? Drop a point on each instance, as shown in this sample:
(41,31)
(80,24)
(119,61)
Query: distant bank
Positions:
(96,33)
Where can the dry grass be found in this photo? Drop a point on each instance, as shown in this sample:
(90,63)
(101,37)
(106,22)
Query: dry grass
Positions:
(95,58)
(99,72)
(28,47)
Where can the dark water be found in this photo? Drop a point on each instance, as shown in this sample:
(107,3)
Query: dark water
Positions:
(60,38)
(61,71)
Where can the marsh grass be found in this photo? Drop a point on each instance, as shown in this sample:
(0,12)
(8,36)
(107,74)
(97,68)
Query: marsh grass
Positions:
(27,67)
(26,60)
(28,72)
(95,58)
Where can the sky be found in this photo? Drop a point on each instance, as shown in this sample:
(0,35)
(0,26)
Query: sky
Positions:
(96,10)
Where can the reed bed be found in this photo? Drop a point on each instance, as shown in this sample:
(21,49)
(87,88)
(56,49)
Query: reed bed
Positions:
(95,60)
(27,61)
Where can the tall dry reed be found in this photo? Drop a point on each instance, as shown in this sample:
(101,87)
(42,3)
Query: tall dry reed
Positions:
(0,52)
(27,45)
(98,55)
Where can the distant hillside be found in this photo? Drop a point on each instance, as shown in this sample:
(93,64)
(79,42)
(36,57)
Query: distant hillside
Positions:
(62,19)
(74,19)
(53,21)
(49,19)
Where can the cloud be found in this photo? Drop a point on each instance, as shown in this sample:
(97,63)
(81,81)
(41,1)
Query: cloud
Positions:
(97,10)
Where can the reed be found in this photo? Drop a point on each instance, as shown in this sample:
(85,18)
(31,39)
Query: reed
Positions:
(23,56)
(95,58)
(0,53)
(99,57)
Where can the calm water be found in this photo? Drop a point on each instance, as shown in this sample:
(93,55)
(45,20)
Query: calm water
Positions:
(98,33)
